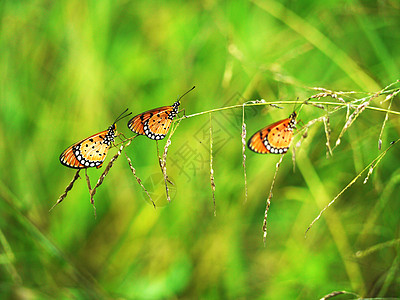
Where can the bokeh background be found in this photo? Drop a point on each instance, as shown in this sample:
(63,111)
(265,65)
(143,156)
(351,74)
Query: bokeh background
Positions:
(69,68)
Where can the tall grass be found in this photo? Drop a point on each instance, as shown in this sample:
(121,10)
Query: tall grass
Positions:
(68,67)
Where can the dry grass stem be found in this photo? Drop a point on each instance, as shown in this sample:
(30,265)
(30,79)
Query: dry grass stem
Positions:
(160,162)
(336,293)
(384,123)
(137,178)
(359,109)
(375,162)
(328,135)
(350,120)
(90,193)
(391,96)
(371,169)
(67,189)
(264,227)
(103,175)
(163,160)
(243,135)
(211,167)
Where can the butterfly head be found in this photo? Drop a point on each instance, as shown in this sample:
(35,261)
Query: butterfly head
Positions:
(110,135)
(113,128)
(176,104)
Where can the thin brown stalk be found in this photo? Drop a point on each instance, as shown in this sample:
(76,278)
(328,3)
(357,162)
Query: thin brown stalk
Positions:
(264,227)
(273,103)
(374,162)
(104,174)
(67,189)
(90,193)
(137,178)
(336,293)
(243,135)
(163,160)
(211,167)
(160,162)
(357,112)
(328,135)
(383,125)
(351,119)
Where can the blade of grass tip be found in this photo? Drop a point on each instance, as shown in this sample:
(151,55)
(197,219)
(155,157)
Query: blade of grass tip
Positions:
(211,168)
(163,161)
(137,178)
(391,275)
(336,293)
(264,227)
(375,211)
(384,123)
(311,34)
(88,283)
(243,135)
(9,259)
(377,159)
(103,175)
(377,247)
(67,189)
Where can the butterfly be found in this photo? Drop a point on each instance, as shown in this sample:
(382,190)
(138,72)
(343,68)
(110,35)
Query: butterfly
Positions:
(274,138)
(92,151)
(155,123)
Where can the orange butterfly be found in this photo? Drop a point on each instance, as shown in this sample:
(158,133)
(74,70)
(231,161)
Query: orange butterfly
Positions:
(155,123)
(274,138)
(92,151)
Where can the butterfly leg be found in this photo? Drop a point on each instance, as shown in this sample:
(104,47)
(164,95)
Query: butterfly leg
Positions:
(184,112)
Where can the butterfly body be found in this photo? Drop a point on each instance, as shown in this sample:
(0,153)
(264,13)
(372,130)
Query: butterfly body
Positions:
(274,138)
(89,152)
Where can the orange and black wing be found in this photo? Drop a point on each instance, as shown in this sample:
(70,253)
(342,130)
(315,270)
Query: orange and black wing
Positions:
(154,123)
(90,152)
(274,138)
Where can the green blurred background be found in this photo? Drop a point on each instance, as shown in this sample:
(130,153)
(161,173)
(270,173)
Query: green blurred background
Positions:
(69,68)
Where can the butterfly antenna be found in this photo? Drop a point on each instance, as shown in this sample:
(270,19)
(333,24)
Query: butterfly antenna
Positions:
(121,116)
(301,106)
(294,106)
(186,93)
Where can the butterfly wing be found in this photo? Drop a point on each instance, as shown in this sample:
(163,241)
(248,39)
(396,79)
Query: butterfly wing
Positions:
(274,138)
(154,123)
(89,152)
